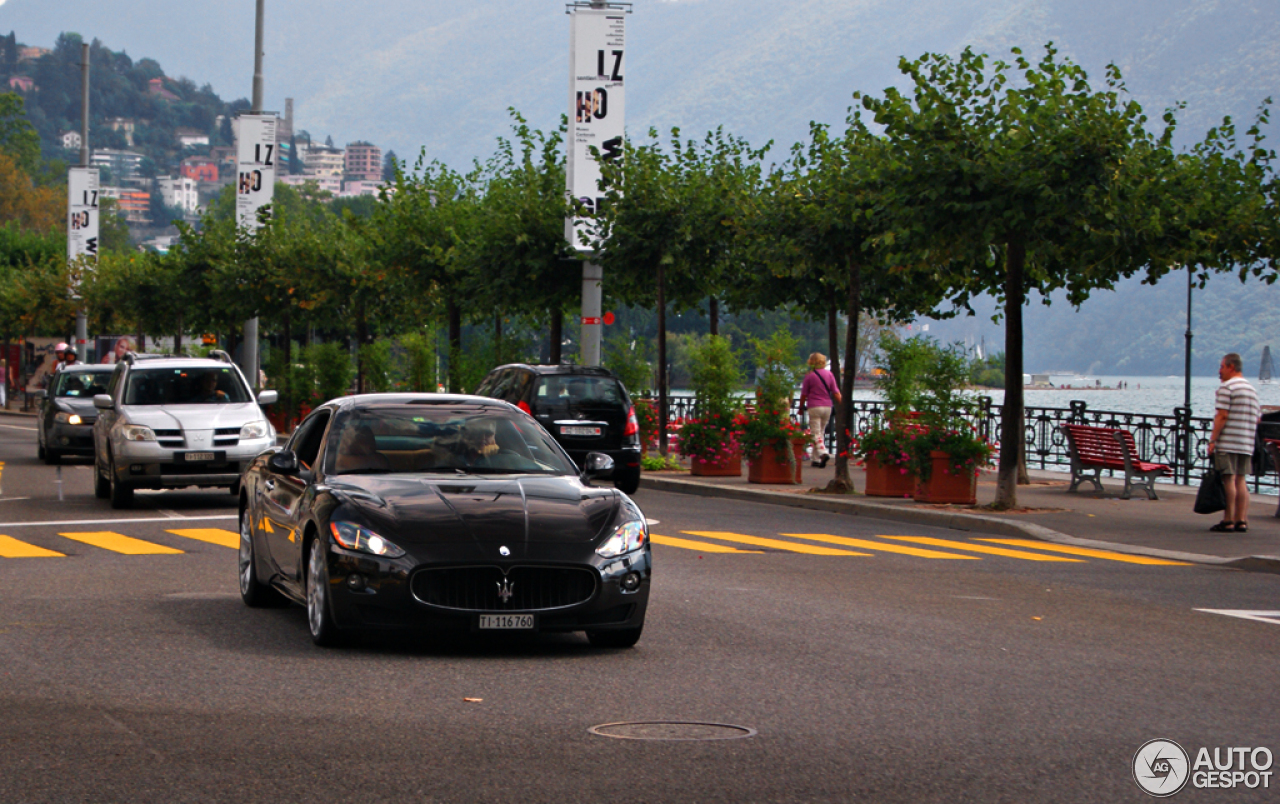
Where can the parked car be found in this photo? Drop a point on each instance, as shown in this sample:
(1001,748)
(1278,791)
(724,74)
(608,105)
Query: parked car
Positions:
(586,409)
(436,512)
(66,413)
(170,422)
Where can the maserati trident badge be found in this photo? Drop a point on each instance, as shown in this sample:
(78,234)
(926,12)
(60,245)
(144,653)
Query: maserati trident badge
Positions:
(503,551)
(505,590)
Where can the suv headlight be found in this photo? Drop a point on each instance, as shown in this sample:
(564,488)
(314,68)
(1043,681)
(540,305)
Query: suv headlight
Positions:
(68,418)
(253,430)
(356,537)
(628,536)
(136,432)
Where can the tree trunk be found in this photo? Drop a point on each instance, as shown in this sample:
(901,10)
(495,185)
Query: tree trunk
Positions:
(662,362)
(362,336)
(285,380)
(497,339)
(556,336)
(843,483)
(713,309)
(455,347)
(833,340)
(177,339)
(1011,414)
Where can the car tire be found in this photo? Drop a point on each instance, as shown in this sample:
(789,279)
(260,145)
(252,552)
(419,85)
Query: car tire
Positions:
(101,486)
(625,638)
(121,493)
(256,595)
(626,479)
(40,453)
(51,456)
(319,614)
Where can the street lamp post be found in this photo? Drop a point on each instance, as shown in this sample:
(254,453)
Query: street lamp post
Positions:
(249,358)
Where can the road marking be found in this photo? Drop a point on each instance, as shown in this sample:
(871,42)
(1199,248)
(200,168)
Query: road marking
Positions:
(1269,617)
(777,544)
(119,543)
(1086,551)
(14,427)
(981,548)
(12,548)
(13,499)
(690,544)
(225,538)
(920,552)
(168,520)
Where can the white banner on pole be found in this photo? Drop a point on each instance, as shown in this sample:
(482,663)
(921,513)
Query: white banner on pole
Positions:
(596,108)
(256,168)
(82,219)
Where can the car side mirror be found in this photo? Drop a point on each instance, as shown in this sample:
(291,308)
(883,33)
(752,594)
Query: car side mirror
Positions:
(268,397)
(284,462)
(596,465)
(104,402)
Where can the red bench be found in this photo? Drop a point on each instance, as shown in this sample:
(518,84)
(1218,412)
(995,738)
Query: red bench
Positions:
(1097,448)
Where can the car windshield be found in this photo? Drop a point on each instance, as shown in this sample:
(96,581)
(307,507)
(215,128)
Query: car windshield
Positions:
(451,440)
(193,385)
(568,389)
(81,384)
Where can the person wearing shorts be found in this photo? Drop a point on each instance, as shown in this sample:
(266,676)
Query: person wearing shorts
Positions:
(1235,426)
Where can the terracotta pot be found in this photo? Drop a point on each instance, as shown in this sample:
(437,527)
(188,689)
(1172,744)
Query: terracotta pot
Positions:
(771,467)
(888,480)
(945,485)
(729,467)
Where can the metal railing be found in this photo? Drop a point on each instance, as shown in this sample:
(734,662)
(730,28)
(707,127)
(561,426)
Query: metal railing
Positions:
(1176,440)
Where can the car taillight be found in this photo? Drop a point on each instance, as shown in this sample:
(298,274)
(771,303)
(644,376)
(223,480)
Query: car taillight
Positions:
(633,426)
(524,406)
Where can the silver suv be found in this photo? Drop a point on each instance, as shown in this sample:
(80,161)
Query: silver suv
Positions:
(171,422)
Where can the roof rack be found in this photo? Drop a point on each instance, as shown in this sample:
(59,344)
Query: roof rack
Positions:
(130,357)
(220,355)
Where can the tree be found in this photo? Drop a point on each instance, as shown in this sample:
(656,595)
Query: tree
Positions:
(38,209)
(390,164)
(18,138)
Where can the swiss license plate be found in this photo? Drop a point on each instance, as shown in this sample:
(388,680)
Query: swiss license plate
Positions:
(199,456)
(506,622)
(580,431)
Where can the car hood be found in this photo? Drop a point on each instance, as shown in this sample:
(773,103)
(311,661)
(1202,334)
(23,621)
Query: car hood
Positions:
(193,417)
(508,510)
(75,404)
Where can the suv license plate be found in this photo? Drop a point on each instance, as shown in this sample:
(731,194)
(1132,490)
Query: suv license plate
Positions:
(199,456)
(580,431)
(506,622)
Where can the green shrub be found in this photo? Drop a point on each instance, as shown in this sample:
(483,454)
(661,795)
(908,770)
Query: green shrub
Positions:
(375,359)
(331,365)
(418,363)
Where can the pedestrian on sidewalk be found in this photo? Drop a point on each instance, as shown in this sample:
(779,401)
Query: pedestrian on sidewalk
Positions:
(1231,445)
(818,395)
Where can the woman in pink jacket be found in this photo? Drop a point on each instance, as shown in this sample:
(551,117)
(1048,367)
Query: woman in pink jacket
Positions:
(818,395)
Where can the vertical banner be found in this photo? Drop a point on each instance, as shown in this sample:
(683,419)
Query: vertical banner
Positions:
(256,168)
(596,103)
(82,217)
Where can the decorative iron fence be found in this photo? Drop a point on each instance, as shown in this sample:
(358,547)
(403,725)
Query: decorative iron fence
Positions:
(1179,441)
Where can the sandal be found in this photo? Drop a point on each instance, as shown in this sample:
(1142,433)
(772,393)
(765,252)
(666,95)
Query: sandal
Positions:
(1224,527)
(1242,527)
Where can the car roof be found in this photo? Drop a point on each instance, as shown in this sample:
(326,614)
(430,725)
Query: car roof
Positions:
(393,399)
(88,368)
(563,368)
(179,362)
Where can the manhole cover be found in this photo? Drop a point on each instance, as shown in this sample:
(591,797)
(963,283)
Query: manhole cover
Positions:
(669,730)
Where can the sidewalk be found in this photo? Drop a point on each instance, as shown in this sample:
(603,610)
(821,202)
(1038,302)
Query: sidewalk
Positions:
(1165,528)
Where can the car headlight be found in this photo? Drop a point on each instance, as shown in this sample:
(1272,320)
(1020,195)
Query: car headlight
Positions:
(136,432)
(356,537)
(628,536)
(68,418)
(253,430)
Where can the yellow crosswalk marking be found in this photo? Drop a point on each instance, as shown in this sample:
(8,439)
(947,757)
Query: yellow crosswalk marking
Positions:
(121,544)
(12,548)
(1092,553)
(981,548)
(920,552)
(777,544)
(690,544)
(225,538)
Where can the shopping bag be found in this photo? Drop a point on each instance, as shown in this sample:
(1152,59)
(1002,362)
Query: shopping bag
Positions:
(1212,497)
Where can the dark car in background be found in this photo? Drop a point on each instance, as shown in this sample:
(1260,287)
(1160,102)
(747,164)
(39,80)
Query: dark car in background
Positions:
(67,413)
(452,514)
(584,408)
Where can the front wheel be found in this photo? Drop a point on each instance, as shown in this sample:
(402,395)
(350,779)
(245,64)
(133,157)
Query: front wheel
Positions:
(101,486)
(254,593)
(625,638)
(121,493)
(51,456)
(319,618)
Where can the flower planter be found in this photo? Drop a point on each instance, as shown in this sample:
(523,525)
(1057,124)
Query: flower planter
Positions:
(945,485)
(771,467)
(888,480)
(730,466)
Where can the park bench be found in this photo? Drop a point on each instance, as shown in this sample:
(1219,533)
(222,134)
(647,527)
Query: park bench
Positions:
(1094,449)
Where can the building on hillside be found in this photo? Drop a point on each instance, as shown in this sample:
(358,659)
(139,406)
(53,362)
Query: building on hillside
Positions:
(364,161)
(32,53)
(124,165)
(70,140)
(324,184)
(134,205)
(122,124)
(191,138)
(321,160)
(22,83)
(359,187)
(199,168)
(156,87)
(180,192)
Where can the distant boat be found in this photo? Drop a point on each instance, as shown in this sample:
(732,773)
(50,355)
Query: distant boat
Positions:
(1264,374)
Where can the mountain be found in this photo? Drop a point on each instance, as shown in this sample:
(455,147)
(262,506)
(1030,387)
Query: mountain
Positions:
(408,74)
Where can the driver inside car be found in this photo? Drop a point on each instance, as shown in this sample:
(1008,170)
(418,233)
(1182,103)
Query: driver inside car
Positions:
(358,451)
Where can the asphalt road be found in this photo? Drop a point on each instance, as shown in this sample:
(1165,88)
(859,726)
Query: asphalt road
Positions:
(870,673)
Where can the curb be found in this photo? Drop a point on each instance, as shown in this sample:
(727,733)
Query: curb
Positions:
(952,520)
(17,414)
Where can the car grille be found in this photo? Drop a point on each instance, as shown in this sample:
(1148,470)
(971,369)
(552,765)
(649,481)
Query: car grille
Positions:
(479,588)
(170,438)
(226,436)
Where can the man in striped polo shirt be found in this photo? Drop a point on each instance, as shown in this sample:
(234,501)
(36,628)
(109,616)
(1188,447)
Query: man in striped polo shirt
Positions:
(1231,444)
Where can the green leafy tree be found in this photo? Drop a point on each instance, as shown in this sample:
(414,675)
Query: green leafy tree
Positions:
(18,138)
